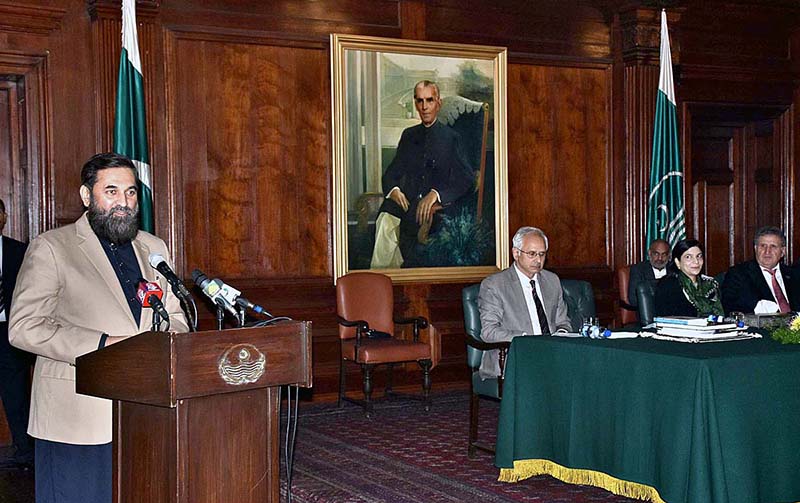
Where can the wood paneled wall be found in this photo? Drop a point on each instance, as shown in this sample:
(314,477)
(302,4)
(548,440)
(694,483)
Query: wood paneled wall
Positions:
(240,126)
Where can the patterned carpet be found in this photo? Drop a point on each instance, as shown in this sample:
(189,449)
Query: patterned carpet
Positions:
(404,454)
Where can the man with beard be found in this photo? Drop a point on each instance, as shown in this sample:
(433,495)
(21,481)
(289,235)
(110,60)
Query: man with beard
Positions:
(76,293)
(651,269)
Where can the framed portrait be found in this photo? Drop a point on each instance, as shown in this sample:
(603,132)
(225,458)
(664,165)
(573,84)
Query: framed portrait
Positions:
(419,159)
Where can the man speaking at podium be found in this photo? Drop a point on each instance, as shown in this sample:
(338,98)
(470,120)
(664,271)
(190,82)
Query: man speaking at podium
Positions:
(77,292)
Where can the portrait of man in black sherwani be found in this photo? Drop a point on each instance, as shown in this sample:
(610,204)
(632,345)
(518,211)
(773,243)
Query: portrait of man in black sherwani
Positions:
(428,174)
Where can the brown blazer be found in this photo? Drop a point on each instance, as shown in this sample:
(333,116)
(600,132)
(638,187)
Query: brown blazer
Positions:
(67,296)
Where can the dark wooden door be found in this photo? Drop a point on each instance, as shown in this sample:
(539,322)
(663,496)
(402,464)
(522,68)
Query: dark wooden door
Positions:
(13,156)
(736,175)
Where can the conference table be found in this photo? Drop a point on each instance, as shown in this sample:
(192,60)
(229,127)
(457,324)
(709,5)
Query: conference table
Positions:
(652,419)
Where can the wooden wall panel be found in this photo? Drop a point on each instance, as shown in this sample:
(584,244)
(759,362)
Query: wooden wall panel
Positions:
(559,160)
(641,87)
(552,27)
(239,119)
(297,19)
(252,158)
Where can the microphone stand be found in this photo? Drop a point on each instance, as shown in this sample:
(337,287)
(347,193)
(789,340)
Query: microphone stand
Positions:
(220,314)
(156,327)
(240,317)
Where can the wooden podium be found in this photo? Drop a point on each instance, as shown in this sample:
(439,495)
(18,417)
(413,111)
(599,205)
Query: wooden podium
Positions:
(196,415)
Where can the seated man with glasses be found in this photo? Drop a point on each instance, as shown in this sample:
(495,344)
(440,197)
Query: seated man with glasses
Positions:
(521,300)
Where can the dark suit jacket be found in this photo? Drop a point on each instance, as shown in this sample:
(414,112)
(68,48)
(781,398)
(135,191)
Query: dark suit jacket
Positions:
(640,273)
(13,253)
(745,285)
(426,158)
(670,299)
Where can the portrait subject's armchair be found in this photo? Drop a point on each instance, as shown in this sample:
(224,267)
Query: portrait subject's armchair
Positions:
(471,120)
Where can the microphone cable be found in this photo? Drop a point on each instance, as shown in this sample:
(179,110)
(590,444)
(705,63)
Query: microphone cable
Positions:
(271,321)
(291,436)
(190,311)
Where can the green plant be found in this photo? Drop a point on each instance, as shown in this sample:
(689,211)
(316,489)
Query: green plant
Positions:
(460,241)
(788,334)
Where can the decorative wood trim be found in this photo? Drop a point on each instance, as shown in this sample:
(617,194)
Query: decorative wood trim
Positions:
(640,88)
(226,35)
(30,18)
(527,58)
(641,34)
(33,68)
(146,10)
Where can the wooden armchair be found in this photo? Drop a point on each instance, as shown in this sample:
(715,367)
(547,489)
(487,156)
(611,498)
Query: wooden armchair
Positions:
(364,305)
(627,314)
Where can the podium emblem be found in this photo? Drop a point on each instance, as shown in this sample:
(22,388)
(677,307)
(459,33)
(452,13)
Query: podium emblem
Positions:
(242,364)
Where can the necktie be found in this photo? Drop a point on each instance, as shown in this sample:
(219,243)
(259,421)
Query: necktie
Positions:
(540,310)
(779,296)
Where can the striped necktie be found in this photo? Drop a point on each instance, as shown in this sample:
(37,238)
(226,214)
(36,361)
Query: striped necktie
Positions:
(540,310)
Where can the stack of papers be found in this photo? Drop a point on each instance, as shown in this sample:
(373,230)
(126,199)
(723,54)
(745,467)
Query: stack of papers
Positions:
(687,329)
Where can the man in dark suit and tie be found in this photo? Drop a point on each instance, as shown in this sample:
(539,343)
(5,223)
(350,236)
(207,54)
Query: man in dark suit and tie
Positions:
(521,300)
(15,365)
(763,285)
(651,269)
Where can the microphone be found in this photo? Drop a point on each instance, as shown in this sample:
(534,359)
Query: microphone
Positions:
(159,263)
(150,295)
(223,293)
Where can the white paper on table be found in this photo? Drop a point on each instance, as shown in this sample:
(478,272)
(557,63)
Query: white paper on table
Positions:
(767,307)
(738,337)
(566,334)
(623,335)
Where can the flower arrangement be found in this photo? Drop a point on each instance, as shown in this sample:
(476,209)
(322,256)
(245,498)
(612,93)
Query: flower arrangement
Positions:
(788,334)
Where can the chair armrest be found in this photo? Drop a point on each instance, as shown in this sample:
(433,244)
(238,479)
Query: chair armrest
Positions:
(418,322)
(361,326)
(626,306)
(489,346)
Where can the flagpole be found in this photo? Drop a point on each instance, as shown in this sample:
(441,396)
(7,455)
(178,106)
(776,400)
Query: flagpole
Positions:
(666,218)
(130,123)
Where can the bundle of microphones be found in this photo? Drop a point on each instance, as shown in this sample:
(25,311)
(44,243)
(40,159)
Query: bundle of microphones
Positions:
(224,297)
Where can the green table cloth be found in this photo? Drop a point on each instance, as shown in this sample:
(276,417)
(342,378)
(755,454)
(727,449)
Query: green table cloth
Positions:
(678,422)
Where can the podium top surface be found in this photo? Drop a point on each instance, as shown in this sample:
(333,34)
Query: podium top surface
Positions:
(161,368)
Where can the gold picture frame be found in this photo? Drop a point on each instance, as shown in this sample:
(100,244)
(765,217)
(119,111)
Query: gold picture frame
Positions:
(373,106)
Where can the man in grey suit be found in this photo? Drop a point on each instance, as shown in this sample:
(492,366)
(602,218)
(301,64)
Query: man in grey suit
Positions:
(655,267)
(521,300)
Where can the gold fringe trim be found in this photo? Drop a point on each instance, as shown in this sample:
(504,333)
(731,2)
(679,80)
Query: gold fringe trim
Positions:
(527,468)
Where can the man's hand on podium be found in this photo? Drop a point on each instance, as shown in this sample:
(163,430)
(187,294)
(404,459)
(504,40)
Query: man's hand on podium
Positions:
(113,339)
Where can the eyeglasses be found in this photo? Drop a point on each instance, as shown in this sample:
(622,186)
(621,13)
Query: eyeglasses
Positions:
(532,254)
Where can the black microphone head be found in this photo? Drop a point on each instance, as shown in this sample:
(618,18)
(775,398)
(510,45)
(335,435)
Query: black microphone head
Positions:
(199,278)
(155,259)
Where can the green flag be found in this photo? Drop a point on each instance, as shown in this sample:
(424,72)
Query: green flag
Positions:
(665,205)
(130,131)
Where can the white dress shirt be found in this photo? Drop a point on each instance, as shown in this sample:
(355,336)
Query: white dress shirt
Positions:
(525,283)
